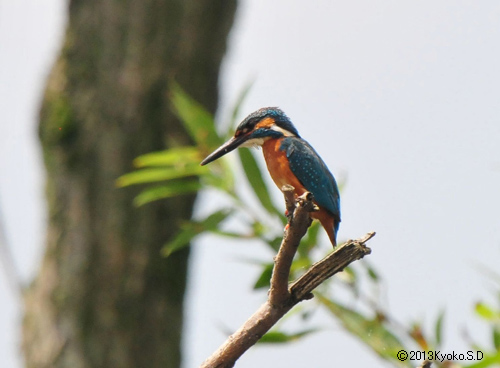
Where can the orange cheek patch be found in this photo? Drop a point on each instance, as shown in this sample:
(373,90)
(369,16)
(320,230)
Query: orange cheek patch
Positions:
(265,123)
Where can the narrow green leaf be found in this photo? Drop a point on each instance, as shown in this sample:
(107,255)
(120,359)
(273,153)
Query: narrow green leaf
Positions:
(278,337)
(373,274)
(220,176)
(350,275)
(370,270)
(197,120)
(299,266)
(275,243)
(274,337)
(265,277)
(170,189)
(369,330)
(485,360)
(192,229)
(212,221)
(254,176)
(159,174)
(350,278)
(486,312)
(230,234)
(174,156)
(439,328)
(496,337)
(259,228)
(181,240)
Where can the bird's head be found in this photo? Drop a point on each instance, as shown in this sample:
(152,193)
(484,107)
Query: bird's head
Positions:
(255,129)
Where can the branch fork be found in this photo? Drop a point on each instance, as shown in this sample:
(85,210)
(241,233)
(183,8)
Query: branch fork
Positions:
(282,296)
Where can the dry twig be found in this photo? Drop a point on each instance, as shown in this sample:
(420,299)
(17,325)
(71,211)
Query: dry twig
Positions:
(283,297)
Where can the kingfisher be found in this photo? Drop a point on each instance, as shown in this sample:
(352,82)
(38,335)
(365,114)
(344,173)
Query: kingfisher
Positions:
(290,160)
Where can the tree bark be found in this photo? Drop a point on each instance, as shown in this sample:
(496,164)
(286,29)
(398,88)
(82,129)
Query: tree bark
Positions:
(104,297)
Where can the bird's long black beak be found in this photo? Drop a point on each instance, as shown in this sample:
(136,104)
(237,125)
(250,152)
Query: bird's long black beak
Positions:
(227,147)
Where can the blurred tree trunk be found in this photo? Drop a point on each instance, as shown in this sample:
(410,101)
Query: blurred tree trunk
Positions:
(104,297)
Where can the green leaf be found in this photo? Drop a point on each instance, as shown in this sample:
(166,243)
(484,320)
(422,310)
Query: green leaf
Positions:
(299,266)
(194,228)
(181,240)
(230,234)
(197,120)
(488,360)
(275,243)
(274,337)
(220,176)
(371,272)
(159,174)
(170,157)
(486,312)
(350,277)
(170,189)
(496,337)
(439,328)
(369,330)
(264,280)
(254,176)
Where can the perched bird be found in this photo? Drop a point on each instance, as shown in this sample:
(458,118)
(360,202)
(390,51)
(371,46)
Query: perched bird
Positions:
(290,160)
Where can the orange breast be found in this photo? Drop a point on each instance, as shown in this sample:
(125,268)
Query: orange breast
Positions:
(277,164)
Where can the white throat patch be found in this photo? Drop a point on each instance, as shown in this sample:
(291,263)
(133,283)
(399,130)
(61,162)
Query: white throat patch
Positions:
(286,133)
(255,142)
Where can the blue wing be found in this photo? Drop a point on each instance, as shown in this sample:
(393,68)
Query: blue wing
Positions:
(313,173)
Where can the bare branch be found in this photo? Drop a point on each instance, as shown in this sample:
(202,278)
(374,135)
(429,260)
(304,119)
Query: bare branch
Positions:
(298,223)
(336,261)
(288,193)
(282,298)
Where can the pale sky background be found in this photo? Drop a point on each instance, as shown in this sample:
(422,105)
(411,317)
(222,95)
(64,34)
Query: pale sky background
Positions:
(402,97)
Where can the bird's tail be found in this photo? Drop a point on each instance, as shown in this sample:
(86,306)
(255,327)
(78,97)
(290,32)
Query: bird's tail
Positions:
(332,234)
(329,223)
